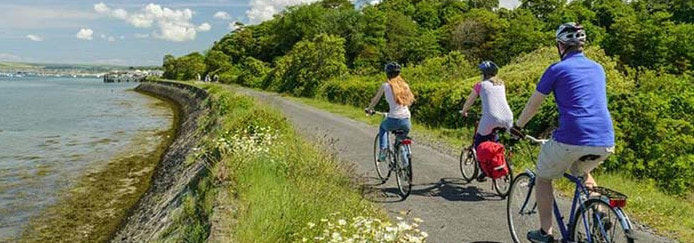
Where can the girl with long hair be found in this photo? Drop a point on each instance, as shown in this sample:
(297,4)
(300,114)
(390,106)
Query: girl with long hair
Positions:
(399,98)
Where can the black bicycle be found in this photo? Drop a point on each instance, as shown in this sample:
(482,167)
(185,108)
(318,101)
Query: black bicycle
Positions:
(398,159)
(470,168)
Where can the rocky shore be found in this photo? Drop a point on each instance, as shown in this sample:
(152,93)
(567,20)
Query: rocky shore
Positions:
(176,175)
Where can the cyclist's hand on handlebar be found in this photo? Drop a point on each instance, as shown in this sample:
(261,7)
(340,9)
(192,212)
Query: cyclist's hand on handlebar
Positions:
(517,132)
(369,111)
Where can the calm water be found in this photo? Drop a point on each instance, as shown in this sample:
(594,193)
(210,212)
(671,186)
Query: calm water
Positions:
(52,130)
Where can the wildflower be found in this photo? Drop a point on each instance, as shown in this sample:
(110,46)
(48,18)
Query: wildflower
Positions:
(418,220)
(342,222)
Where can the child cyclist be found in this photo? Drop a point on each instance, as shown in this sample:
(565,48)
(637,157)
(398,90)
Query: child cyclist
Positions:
(399,98)
(495,110)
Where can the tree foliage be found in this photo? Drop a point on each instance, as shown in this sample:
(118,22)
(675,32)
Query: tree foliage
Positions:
(336,50)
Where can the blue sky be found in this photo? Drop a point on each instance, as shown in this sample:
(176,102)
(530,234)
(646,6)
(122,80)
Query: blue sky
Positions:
(124,32)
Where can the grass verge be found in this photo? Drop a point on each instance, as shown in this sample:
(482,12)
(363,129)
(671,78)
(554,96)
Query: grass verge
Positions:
(668,215)
(277,182)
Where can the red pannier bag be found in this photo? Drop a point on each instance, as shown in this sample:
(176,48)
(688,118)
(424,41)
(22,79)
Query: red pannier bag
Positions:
(492,160)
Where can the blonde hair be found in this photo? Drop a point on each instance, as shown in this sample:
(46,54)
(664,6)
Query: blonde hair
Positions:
(496,81)
(401,91)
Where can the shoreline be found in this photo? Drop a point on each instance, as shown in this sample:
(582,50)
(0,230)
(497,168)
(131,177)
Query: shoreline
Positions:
(100,201)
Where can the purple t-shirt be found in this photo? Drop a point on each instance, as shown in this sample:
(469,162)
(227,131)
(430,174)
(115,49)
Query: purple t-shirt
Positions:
(579,88)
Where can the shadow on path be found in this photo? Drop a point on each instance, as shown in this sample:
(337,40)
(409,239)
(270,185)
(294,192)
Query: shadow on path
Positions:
(450,189)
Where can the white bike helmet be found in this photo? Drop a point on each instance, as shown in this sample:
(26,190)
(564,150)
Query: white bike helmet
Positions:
(571,34)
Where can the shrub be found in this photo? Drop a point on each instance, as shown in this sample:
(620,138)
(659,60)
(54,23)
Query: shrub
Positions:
(308,65)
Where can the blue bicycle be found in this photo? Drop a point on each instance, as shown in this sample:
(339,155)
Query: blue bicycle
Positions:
(591,219)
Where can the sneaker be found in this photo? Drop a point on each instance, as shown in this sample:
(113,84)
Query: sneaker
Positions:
(382,155)
(482,177)
(539,236)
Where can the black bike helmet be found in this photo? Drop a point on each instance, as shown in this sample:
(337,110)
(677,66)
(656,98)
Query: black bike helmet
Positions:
(571,34)
(392,69)
(489,68)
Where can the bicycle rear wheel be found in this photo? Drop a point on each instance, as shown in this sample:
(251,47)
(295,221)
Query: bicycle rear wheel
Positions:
(503,184)
(521,208)
(403,174)
(382,167)
(468,165)
(602,222)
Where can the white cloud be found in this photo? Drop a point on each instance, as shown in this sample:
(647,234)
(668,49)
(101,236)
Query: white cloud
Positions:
(32,16)
(234,26)
(221,15)
(101,8)
(171,24)
(204,27)
(85,34)
(103,36)
(34,37)
(262,10)
(141,36)
(111,39)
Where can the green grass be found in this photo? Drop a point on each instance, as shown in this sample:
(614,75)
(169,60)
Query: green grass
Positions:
(277,181)
(669,215)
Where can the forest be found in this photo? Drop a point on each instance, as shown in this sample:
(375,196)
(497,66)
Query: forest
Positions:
(335,50)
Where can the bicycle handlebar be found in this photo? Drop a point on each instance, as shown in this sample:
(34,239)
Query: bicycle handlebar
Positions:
(536,140)
(372,112)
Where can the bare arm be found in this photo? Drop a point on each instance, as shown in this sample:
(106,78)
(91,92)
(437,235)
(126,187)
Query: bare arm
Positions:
(530,109)
(470,100)
(375,99)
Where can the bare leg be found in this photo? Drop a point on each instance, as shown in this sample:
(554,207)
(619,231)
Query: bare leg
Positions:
(545,198)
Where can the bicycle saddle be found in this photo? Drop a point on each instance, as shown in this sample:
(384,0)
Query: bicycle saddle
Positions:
(398,131)
(589,157)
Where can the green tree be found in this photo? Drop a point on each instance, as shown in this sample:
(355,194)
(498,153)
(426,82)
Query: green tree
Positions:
(372,40)
(307,65)
(169,65)
(427,15)
(524,34)
(190,66)
(406,44)
(484,4)
(476,34)
(542,9)
(216,62)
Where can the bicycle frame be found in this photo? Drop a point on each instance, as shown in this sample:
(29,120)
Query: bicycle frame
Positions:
(575,202)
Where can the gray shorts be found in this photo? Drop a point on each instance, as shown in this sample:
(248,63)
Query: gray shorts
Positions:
(555,158)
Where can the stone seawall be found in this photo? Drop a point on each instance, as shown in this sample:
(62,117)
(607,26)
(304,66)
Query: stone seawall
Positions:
(174,177)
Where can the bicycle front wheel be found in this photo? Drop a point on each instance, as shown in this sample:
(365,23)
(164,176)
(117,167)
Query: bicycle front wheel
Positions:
(382,167)
(404,170)
(521,208)
(599,222)
(468,165)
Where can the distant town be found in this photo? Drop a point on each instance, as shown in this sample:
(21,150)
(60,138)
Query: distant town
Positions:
(108,73)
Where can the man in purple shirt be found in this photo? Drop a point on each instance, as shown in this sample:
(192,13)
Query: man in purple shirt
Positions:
(585,125)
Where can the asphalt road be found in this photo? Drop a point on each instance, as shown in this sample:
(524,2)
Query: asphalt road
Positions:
(452,210)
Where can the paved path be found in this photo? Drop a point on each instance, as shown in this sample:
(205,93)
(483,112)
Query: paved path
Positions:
(452,210)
